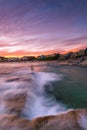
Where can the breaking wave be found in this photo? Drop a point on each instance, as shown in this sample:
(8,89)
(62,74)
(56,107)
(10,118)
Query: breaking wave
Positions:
(35,85)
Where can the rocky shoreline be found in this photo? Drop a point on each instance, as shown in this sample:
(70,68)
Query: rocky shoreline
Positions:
(69,63)
(13,102)
(12,117)
(71,120)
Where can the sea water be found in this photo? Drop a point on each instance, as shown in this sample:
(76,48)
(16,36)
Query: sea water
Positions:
(50,89)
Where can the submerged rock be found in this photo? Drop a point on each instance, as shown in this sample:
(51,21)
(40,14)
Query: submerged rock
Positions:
(71,120)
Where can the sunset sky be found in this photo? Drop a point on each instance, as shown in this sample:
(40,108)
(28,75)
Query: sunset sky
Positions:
(35,27)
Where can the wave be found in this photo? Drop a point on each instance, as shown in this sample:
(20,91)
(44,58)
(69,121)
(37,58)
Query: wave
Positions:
(35,86)
(42,104)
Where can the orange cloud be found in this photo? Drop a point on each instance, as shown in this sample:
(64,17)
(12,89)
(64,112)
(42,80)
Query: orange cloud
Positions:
(21,53)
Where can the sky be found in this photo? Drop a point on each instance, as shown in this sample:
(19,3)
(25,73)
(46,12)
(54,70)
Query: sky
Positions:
(36,27)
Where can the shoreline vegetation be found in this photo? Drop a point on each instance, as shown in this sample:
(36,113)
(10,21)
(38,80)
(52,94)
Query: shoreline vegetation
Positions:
(78,58)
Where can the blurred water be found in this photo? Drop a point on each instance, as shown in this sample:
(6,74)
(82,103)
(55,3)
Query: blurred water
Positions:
(20,78)
(49,89)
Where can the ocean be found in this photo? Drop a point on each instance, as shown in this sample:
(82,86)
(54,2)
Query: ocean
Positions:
(49,88)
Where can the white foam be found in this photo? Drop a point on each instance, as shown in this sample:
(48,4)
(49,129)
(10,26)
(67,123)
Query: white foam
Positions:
(42,78)
(41,105)
(83,122)
(37,103)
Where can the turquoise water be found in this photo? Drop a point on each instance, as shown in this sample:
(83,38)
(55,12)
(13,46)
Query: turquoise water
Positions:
(72,88)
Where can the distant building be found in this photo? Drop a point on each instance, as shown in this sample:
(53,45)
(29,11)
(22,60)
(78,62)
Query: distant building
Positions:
(42,57)
(61,57)
(80,53)
(27,58)
(13,59)
(68,55)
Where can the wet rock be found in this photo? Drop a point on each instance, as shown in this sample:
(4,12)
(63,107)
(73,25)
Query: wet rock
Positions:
(18,79)
(13,122)
(14,102)
(71,120)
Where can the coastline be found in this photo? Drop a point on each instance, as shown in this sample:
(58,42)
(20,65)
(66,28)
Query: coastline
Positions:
(69,63)
(72,119)
(12,119)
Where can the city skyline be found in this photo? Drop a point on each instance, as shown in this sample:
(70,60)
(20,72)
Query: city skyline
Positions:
(42,26)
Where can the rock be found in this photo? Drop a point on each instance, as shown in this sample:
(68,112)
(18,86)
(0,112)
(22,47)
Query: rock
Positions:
(13,103)
(13,122)
(84,63)
(71,120)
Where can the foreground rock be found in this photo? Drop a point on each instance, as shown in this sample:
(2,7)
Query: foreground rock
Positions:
(13,102)
(71,120)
